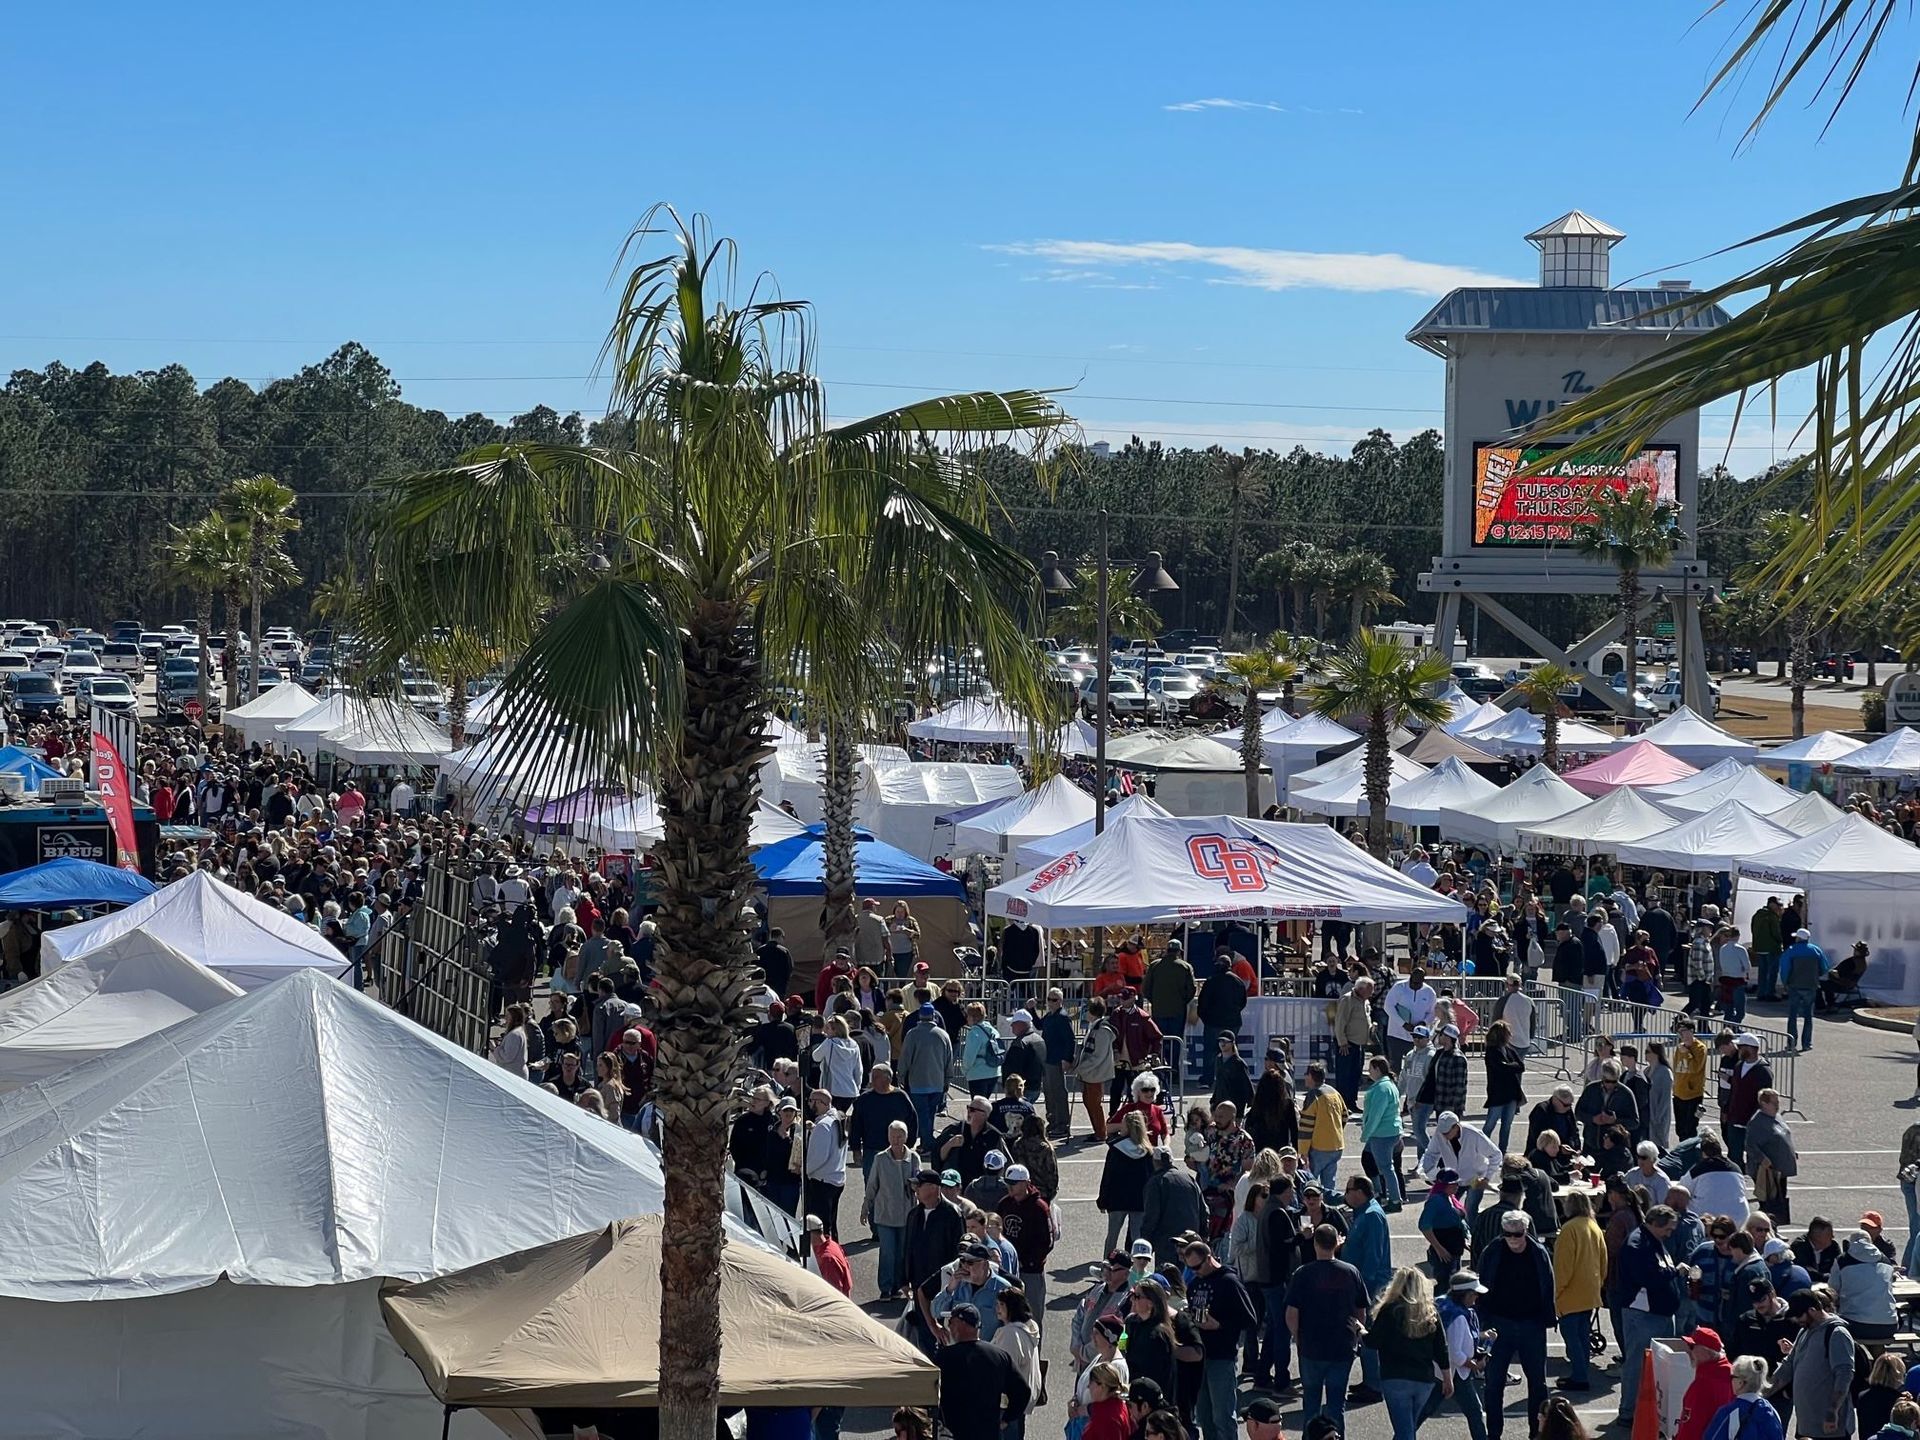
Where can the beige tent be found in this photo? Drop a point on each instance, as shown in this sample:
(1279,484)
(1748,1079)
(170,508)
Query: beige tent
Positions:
(575,1324)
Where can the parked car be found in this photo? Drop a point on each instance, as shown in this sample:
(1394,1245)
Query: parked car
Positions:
(123,658)
(13,663)
(49,658)
(37,693)
(1125,696)
(1665,698)
(77,668)
(1171,696)
(1834,667)
(109,692)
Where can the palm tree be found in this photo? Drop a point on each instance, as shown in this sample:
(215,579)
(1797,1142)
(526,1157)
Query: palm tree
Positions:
(1542,687)
(1286,569)
(1365,582)
(1255,671)
(742,535)
(1631,531)
(1786,534)
(1387,683)
(264,507)
(839,792)
(1320,573)
(1127,614)
(200,553)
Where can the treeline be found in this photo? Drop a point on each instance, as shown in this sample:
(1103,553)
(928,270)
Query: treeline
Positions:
(96,467)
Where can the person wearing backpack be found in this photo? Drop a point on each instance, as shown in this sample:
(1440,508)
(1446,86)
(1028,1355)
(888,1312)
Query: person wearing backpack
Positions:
(981,1052)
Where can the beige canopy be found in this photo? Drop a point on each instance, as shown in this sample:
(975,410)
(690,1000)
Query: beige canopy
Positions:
(576,1324)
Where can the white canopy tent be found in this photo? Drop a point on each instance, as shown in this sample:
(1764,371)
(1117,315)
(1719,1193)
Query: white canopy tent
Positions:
(634,824)
(1144,870)
(1894,755)
(1345,796)
(1400,769)
(1036,853)
(1537,796)
(1709,843)
(1047,810)
(900,803)
(1750,788)
(1823,747)
(1450,785)
(1598,828)
(259,719)
(792,774)
(1718,773)
(389,734)
(1808,815)
(248,943)
(1697,740)
(1197,776)
(972,721)
(127,989)
(1290,746)
(1472,722)
(194,1229)
(1861,883)
(337,711)
(1521,732)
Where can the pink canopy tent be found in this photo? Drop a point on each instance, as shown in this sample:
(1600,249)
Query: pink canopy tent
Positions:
(1641,763)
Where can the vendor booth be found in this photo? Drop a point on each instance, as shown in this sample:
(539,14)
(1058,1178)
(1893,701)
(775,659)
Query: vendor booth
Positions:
(1537,796)
(1450,785)
(902,804)
(1696,739)
(1720,772)
(1861,883)
(258,720)
(1749,788)
(792,774)
(1640,764)
(1346,795)
(388,734)
(1823,747)
(1057,805)
(972,721)
(1894,756)
(1523,733)
(1619,817)
(68,883)
(1196,776)
(1708,844)
(1036,853)
(1440,744)
(1808,815)
(1351,762)
(793,874)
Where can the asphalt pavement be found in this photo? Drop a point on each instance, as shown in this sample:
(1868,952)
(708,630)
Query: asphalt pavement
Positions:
(1856,1087)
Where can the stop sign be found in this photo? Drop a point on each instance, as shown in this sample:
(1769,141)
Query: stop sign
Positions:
(193,710)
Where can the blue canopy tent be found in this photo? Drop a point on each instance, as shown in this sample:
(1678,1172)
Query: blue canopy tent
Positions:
(29,766)
(793,873)
(66,882)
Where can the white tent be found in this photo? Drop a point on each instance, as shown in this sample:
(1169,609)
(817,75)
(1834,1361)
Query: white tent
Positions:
(1861,883)
(1194,775)
(124,991)
(258,719)
(1036,853)
(332,713)
(1345,796)
(1291,746)
(1893,755)
(194,1229)
(1046,810)
(1598,828)
(792,773)
(634,824)
(1076,737)
(1697,740)
(1144,871)
(1823,747)
(1450,785)
(1472,722)
(899,803)
(1718,773)
(972,721)
(1537,796)
(1521,732)
(1713,842)
(389,734)
(1808,815)
(247,942)
(1400,769)
(1750,788)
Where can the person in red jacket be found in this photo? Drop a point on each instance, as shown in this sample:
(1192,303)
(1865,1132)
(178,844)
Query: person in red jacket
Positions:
(1712,1385)
(840,964)
(1136,1041)
(831,1259)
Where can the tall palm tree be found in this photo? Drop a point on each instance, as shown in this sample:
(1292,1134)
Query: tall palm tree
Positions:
(1542,687)
(1255,671)
(741,533)
(1387,683)
(1365,582)
(1127,614)
(264,507)
(1633,532)
(198,557)
(1286,569)
(1786,534)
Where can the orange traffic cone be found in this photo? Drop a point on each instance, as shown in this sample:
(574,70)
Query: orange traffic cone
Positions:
(1646,1408)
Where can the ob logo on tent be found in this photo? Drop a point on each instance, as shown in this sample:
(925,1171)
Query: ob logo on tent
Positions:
(1240,865)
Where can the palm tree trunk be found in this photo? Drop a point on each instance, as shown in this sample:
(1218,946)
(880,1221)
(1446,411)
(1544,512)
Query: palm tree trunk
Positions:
(233,647)
(457,708)
(837,794)
(257,568)
(1379,774)
(1250,754)
(1630,625)
(203,627)
(702,967)
(1798,638)
(1550,738)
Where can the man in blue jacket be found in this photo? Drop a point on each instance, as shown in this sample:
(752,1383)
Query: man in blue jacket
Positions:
(1056,1029)
(1369,1249)
(1519,1308)
(1802,966)
(1646,1293)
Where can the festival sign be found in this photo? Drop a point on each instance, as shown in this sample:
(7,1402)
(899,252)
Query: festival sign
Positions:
(1511,507)
(110,779)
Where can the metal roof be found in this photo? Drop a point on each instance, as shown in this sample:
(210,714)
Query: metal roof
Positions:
(1577,222)
(1556,310)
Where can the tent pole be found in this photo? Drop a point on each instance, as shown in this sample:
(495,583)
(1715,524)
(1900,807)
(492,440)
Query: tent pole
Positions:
(446,1420)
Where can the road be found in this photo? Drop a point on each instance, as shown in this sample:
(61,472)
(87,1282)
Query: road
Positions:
(1855,1086)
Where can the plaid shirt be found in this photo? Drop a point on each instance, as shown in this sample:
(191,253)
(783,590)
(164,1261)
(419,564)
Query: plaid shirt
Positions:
(1448,1076)
(1700,962)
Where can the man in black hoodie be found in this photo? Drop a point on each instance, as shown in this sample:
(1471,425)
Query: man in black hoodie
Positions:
(1223,1000)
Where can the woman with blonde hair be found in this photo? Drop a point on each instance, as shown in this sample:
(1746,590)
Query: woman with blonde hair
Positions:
(981,1051)
(1579,1283)
(1749,1414)
(1405,1330)
(1123,1179)
(839,1060)
(612,1089)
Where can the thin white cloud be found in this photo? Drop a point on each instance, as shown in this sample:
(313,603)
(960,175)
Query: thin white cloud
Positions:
(1266,269)
(1190,106)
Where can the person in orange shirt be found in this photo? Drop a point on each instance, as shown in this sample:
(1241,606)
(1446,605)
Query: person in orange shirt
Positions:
(1132,958)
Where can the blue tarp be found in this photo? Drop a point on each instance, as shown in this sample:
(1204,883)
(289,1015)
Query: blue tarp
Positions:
(61,883)
(15,761)
(797,866)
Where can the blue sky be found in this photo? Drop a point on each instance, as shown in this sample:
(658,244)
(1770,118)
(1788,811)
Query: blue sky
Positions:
(988,196)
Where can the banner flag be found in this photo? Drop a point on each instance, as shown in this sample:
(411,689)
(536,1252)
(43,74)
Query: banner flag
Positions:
(110,779)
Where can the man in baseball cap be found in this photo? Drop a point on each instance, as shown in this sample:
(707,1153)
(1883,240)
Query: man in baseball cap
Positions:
(1027,1221)
(1712,1384)
(1802,967)
(1262,1420)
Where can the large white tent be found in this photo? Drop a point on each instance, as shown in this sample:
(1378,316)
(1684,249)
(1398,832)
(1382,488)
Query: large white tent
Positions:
(1696,739)
(1893,755)
(389,734)
(1399,770)
(1811,813)
(792,774)
(635,823)
(1750,788)
(1144,870)
(1823,747)
(1718,773)
(900,803)
(1713,842)
(1046,810)
(1861,883)
(1035,853)
(337,711)
(195,1228)
(1290,746)
(1599,828)
(1450,785)
(1537,796)
(258,720)
(1472,722)
(1521,732)
(249,943)
(1194,775)
(124,991)
(972,721)
(1345,796)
